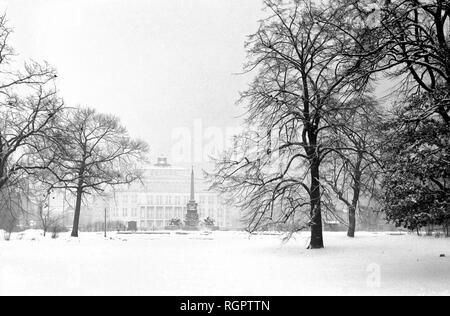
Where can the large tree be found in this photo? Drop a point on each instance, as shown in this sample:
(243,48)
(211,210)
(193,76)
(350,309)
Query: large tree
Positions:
(91,151)
(302,82)
(28,103)
(409,41)
(416,158)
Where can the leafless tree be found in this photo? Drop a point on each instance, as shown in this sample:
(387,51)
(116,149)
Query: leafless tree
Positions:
(354,170)
(302,82)
(408,40)
(47,217)
(28,103)
(90,152)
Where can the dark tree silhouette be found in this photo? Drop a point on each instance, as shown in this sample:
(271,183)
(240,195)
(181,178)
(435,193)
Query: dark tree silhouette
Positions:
(90,152)
(28,104)
(303,81)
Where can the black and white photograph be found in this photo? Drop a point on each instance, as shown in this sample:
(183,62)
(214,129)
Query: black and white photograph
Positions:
(226,152)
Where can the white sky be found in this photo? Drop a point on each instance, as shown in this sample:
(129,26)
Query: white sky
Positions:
(164,67)
(157,64)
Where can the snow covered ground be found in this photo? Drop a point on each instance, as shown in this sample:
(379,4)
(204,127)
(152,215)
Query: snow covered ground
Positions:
(223,263)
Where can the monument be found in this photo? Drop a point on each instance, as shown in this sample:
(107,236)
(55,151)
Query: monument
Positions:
(191,221)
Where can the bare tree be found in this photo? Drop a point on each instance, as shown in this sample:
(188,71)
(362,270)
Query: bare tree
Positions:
(303,81)
(408,40)
(90,152)
(28,103)
(48,217)
(355,169)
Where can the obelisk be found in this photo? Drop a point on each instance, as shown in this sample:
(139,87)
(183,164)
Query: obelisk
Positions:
(191,221)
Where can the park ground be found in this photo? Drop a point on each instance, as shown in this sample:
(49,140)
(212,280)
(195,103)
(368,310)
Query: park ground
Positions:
(224,263)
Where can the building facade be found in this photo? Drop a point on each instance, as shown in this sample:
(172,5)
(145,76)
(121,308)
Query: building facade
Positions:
(163,195)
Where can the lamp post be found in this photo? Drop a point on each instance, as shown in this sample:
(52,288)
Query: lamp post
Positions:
(105,223)
(64,209)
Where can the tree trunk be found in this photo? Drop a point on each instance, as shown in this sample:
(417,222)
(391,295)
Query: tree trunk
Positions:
(351,221)
(316,214)
(356,193)
(2,182)
(76,217)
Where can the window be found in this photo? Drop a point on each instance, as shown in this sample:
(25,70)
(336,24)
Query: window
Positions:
(134,212)
(167,213)
(142,212)
(152,212)
(159,213)
(178,200)
(124,212)
(178,212)
(149,199)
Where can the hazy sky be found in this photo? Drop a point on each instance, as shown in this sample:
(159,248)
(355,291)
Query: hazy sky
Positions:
(167,68)
(159,65)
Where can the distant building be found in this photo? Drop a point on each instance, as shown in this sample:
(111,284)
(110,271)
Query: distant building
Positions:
(163,195)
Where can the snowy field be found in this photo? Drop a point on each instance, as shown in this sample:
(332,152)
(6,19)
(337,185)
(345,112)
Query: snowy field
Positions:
(223,263)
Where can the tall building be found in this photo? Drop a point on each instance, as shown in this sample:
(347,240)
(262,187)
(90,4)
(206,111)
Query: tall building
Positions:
(163,195)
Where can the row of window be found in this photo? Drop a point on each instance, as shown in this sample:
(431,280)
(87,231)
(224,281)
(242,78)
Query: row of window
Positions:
(157,224)
(160,212)
(165,199)
(150,212)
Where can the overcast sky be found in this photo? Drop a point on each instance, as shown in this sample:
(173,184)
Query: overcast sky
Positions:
(159,65)
(167,68)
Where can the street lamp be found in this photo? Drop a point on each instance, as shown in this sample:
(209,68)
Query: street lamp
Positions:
(105,222)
